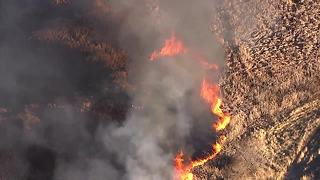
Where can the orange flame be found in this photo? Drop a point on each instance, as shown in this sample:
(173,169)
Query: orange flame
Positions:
(209,92)
(204,61)
(181,172)
(207,65)
(172,47)
(224,119)
(184,172)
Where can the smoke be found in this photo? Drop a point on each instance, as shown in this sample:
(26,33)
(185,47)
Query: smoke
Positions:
(43,86)
(168,89)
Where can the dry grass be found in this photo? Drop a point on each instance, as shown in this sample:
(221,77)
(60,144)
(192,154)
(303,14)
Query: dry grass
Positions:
(272,71)
(81,37)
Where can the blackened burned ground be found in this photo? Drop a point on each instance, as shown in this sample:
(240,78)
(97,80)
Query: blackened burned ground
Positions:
(45,83)
(54,62)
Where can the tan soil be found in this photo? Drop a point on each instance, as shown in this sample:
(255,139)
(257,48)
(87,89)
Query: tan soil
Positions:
(272,89)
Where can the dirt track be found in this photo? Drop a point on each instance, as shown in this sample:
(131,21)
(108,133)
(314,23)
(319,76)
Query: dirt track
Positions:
(271,87)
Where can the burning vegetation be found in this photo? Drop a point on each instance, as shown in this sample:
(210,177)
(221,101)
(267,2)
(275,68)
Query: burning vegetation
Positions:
(97,96)
(210,94)
(172,47)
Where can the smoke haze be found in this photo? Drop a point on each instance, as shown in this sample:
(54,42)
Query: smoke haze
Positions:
(72,74)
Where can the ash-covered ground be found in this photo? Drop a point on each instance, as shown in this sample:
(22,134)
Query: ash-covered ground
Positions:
(79,99)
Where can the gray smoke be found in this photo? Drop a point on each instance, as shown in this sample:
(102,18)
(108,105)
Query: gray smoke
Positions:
(167,89)
(71,145)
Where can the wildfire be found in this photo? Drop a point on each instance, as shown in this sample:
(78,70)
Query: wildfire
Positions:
(209,93)
(172,47)
(184,172)
(224,120)
(207,65)
(203,61)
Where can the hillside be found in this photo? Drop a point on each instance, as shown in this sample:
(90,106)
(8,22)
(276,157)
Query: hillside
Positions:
(271,87)
(159,89)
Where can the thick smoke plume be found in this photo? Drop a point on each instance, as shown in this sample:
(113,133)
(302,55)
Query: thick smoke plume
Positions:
(167,89)
(73,74)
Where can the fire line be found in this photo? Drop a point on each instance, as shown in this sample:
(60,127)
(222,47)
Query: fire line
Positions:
(210,94)
(172,47)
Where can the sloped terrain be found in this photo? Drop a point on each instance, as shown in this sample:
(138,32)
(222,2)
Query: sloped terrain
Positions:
(64,70)
(60,80)
(271,87)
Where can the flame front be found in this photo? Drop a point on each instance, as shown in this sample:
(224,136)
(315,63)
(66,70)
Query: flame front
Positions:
(181,171)
(172,47)
(184,172)
(209,93)
(224,119)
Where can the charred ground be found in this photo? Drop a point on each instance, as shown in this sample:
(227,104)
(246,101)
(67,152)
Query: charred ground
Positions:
(64,75)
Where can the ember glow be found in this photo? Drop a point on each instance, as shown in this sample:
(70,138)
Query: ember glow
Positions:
(207,65)
(203,61)
(172,47)
(210,93)
(224,119)
(184,172)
